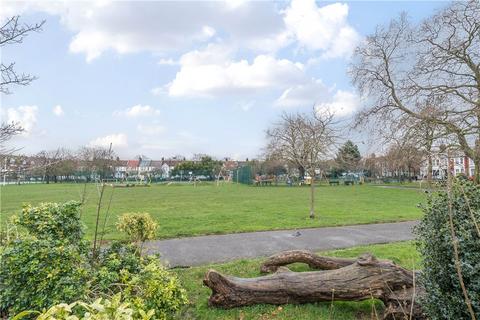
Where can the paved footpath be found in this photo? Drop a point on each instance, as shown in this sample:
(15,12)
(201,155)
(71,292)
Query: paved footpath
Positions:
(220,248)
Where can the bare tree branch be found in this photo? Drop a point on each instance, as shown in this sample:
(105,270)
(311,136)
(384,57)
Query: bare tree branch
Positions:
(14,32)
(403,67)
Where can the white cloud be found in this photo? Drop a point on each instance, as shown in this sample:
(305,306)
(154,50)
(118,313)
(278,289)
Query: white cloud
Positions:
(303,94)
(212,72)
(321,28)
(246,106)
(165,27)
(25,116)
(343,103)
(137,111)
(118,140)
(156,26)
(208,31)
(58,110)
(151,130)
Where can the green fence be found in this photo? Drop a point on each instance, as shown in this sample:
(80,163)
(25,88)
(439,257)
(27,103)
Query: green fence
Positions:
(242,175)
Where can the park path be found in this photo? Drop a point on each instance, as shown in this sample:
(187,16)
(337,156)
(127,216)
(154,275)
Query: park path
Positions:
(220,248)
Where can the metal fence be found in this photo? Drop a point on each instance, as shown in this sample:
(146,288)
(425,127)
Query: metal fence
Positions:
(243,175)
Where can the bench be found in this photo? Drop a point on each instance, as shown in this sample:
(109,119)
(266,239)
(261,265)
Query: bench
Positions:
(263,182)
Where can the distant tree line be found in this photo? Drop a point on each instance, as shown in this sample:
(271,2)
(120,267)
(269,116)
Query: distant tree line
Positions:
(205,165)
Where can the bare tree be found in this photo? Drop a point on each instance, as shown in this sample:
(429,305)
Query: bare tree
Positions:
(13,32)
(55,163)
(304,140)
(417,136)
(402,66)
(403,159)
(97,160)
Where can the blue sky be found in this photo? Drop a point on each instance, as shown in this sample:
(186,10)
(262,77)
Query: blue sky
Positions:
(167,78)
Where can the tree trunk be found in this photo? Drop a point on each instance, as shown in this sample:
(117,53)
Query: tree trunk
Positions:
(301,172)
(312,198)
(345,280)
(429,169)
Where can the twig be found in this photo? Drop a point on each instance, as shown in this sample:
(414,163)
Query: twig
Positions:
(99,205)
(107,215)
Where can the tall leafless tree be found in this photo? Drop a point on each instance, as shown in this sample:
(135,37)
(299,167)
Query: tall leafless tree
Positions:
(403,66)
(97,160)
(304,140)
(54,163)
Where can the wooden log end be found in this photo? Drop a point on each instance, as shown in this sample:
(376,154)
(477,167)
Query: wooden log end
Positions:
(220,286)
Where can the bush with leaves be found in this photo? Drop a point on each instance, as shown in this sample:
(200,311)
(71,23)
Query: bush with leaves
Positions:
(50,266)
(139,227)
(444,298)
(100,309)
(114,264)
(53,221)
(35,275)
(156,288)
(142,281)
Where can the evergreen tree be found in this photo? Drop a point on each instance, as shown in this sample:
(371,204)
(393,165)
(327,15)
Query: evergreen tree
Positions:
(348,157)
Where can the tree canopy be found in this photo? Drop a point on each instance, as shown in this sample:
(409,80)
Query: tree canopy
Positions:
(348,157)
(427,72)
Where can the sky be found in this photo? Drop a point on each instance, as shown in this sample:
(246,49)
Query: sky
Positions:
(178,78)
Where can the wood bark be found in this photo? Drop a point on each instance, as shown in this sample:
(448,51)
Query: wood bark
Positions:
(340,279)
(313,260)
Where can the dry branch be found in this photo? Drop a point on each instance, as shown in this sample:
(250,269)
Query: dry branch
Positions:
(313,260)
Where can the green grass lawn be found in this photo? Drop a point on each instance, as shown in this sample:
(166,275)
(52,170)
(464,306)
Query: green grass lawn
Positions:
(184,210)
(402,253)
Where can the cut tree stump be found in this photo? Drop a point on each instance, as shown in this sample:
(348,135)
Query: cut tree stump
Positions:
(339,279)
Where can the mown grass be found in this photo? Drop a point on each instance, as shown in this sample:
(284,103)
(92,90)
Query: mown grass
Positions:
(185,210)
(402,253)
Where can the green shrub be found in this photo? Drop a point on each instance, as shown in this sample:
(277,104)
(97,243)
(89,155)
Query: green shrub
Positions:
(156,288)
(143,282)
(53,221)
(114,263)
(101,309)
(9,231)
(139,227)
(36,274)
(50,266)
(444,298)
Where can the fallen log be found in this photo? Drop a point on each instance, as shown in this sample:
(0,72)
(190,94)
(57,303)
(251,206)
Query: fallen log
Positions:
(344,279)
(313,260)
